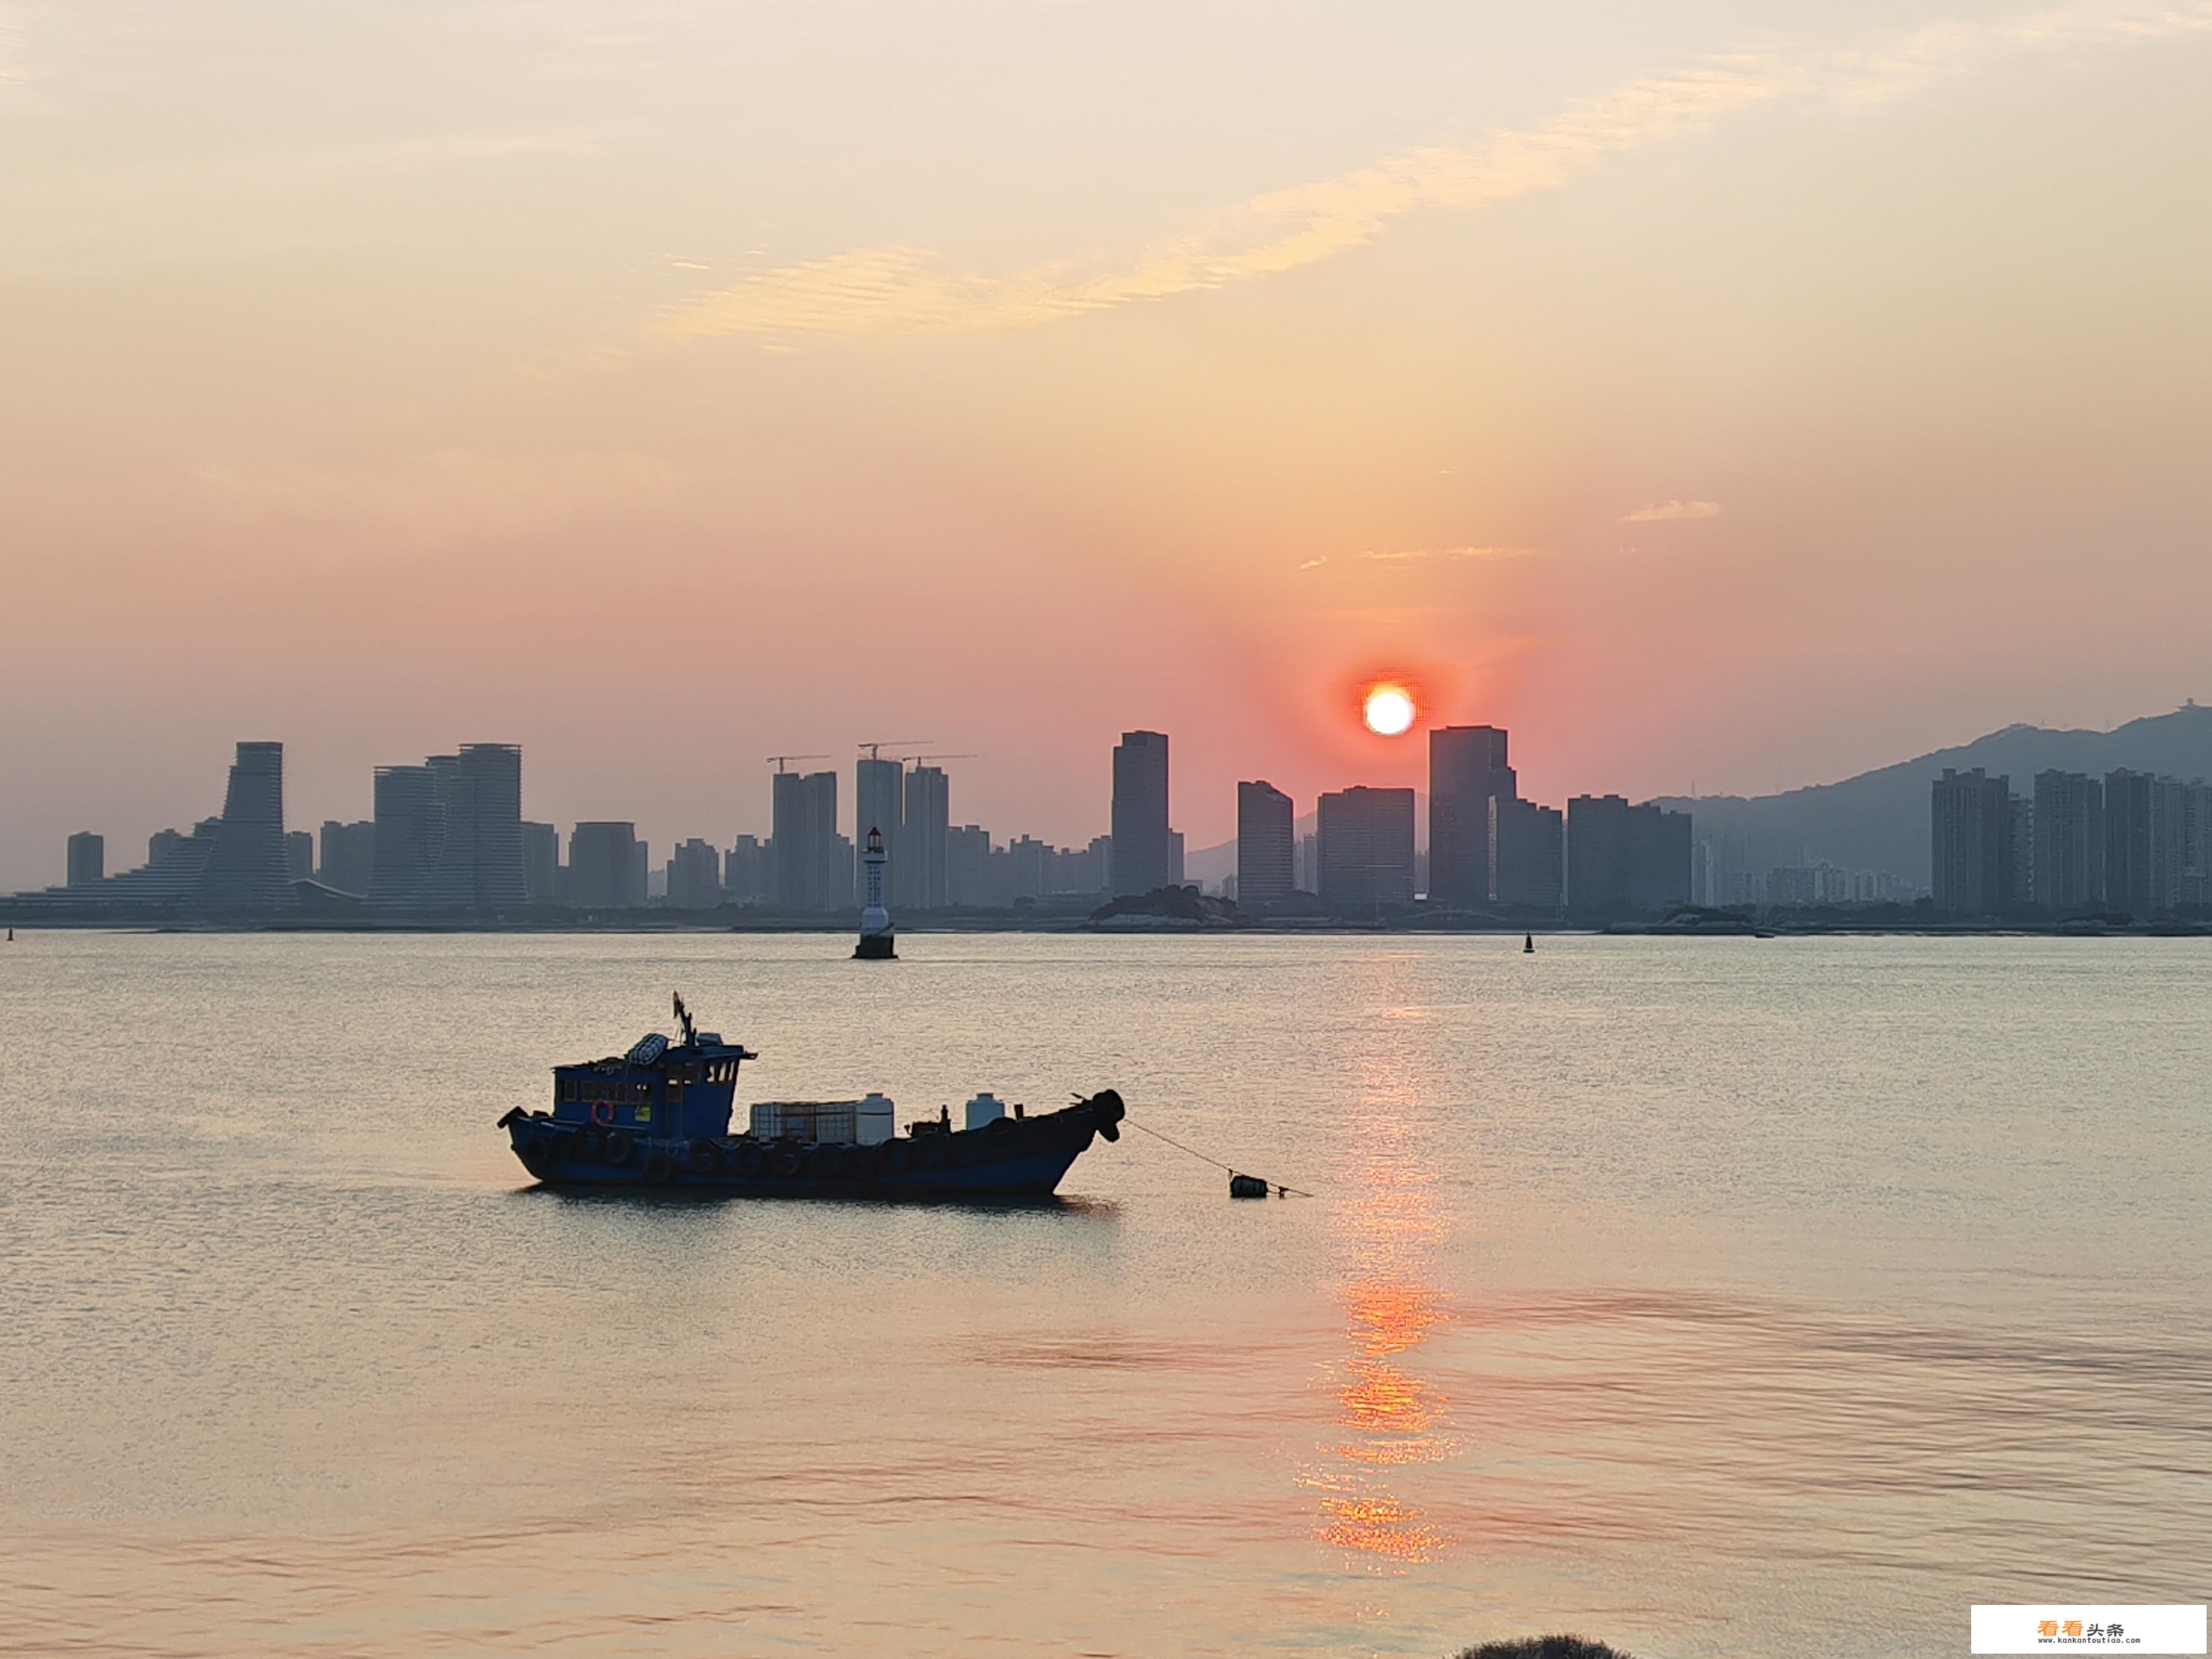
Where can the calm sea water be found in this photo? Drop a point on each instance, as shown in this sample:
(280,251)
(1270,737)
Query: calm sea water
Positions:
(1727,1297)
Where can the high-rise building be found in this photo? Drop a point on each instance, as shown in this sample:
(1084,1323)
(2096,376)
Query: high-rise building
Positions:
(2068,869)
(88,858)
(748,872)
(1528,851)
(541,862)
(2169,843)
(1144,845)
(879,803)
(1969,843)
(968,866)
(404,838)
(1624,858)
(1597,853)
(2130,845)
(1658,858)
(2196,848)
(695,875)
(1098,864)
(348,862)
(1467,772)
(808,878)
(299,855)
(246,870)
(478,863)
(606,867)
(1366,847)
(918,881)
(1264,851)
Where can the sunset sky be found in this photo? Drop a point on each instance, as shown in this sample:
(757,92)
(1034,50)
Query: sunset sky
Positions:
(1716,394)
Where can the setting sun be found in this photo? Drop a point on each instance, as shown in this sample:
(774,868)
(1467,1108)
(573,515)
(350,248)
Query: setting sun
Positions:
(1388,711)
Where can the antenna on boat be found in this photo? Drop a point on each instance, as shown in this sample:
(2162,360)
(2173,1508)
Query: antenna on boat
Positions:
(684,1018)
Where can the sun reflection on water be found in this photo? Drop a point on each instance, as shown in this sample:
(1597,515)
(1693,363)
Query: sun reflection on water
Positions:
(1395,1417)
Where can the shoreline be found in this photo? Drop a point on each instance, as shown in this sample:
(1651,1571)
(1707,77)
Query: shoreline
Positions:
(1118,927)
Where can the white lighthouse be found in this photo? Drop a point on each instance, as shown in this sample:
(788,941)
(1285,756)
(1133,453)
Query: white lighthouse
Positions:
(875,944)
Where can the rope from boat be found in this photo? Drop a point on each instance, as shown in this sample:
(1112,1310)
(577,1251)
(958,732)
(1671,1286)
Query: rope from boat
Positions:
(1203,1159)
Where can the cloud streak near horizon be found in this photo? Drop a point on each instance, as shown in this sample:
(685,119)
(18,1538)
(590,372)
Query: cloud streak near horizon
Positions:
(904,292)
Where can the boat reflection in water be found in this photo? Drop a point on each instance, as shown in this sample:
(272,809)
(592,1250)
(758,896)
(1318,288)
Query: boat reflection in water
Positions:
(1393,1416)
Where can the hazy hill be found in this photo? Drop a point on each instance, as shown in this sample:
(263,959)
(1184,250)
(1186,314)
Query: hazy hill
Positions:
(1879,820)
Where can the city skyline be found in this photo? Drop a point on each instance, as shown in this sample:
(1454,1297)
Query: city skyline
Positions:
(1670,389)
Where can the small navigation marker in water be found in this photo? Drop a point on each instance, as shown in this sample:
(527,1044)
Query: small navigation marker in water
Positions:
(1244,1186)
(1528,944)
(875,944)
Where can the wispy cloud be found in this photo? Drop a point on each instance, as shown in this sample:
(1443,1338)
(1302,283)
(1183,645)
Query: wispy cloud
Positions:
(1455,555)
(905,291)
(1662,512)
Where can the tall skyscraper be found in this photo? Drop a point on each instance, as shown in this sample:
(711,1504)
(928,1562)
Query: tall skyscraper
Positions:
(1365,846)
(1527,853)
(748,872)
(2169,841)
(1969,843)
(478,861)
(2069,842)
(246,870)
(1466,771)
(921,840)
(88,860)
(606,868)
(804,808)
(541,862)
(968,866)
(348,856)
(879,803)
(1597,853)
(1144,845)
(1623,859)
(695,875)
(1264,850)
(2129,843)
(405,803)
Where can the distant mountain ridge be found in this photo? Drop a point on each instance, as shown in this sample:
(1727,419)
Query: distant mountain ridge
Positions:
(1879,820)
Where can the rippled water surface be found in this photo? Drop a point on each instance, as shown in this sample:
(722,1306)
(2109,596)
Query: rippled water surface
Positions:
(1746,1297)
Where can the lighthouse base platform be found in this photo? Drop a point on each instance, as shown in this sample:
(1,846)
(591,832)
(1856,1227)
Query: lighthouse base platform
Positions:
(874,947)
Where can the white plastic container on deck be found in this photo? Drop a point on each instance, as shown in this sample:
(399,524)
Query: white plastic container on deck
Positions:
(986,1108)
(872,1120)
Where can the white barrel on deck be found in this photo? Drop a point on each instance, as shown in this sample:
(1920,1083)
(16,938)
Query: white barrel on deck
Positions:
(872,1121)
(986,1108)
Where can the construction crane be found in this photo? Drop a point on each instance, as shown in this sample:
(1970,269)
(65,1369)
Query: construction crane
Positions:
(888,742)
(909,759)
(778,760)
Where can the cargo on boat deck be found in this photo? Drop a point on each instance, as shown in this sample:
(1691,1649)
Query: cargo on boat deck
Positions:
(841,1122)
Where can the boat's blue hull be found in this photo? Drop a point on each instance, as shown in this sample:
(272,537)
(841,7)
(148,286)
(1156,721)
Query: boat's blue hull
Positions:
(1011,1159)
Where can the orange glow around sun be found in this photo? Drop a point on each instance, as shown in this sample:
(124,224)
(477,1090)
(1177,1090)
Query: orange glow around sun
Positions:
(1388,709)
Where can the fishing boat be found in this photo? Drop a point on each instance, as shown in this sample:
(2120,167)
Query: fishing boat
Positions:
(657,1115)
